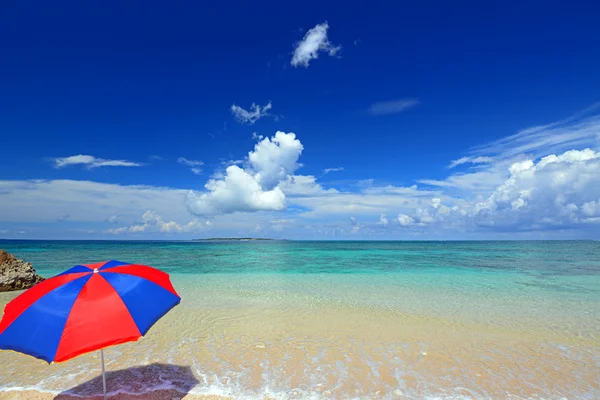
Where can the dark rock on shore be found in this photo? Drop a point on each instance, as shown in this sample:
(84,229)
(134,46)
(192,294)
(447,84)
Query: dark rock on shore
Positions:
(16,274)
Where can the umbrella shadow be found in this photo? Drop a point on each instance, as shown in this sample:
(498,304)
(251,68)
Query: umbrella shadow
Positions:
(173,381)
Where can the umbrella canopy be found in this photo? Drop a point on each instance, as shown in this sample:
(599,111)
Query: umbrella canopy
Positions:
(86,308)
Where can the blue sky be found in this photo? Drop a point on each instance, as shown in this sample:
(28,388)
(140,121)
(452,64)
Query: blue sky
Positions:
(136,121)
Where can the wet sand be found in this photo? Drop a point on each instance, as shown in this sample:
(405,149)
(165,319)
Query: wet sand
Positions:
(156,395)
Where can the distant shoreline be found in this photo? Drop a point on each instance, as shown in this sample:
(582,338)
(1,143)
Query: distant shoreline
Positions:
(232,239)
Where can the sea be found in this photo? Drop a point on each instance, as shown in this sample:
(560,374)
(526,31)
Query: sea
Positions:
(344,320)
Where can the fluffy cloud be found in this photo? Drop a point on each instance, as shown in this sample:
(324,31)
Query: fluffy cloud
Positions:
(392,107)
(152,222)
(503,194)
(249,117)
(559,190)
(314,41)
(92,162)
(494,159)
(553,192)
(405,220)
(256,186)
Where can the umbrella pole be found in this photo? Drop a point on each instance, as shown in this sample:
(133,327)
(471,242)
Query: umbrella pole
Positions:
(103,374)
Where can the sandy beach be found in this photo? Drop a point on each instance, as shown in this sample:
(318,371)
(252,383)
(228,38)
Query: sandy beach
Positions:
(327,352)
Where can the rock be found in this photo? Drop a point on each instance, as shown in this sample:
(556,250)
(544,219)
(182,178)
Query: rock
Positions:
(16,274)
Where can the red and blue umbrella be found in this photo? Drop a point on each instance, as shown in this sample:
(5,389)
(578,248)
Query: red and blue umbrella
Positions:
(86,308)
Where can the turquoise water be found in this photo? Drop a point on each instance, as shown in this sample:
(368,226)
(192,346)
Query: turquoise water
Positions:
(546,280)
(531,303)
(541,260)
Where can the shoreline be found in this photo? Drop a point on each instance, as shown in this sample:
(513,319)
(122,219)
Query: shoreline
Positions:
(163,394)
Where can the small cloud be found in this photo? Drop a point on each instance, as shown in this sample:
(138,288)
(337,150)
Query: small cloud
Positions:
(328,170)
(383,221)
(227,163)
(355,225)
(92,162)
(113,219)
(282,221)
(64,217)
(191,163)
(156,158)
(250,117)
(195,164)
(392,107)
(470,160)
(405,220)
(314,41)
(152,222)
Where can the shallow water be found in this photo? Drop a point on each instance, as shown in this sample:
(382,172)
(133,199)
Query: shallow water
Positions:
(348,320)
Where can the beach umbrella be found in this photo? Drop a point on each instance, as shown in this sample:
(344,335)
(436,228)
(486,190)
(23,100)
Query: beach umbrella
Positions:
(86,308)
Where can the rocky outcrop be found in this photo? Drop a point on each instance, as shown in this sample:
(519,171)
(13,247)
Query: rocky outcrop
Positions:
(16,274)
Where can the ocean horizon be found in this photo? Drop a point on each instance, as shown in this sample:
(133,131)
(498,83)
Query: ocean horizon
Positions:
(344,320)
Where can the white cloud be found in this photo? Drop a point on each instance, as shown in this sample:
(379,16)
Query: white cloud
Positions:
(475,182)
(92,162)
(405,220)
(255,187)
(190,163)
(355,225)
(41,201)
(392,107)
(328,170)
(276,159)
(250,117)
(195,164)
(152,222)
(578,131)
(282,221)
(314,41)
(303,185)
(553,192)
(558,190)
(470,160)
(507,194)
